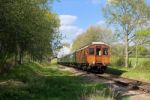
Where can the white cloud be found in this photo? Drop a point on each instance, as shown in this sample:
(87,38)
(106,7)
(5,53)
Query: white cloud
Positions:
(104,24)
(67,19)
(69,31)
(64,51)
(80,31)
(101,22)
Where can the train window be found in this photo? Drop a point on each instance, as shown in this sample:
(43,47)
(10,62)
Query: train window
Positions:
(105,51)
(98,51)
(91,51)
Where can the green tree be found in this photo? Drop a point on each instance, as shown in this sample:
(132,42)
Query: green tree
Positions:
(142,41)
(27,27)
(93,34)
(127,16)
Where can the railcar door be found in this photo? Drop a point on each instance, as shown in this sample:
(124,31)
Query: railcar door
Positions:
(91,55)
(98,54)
(106,56)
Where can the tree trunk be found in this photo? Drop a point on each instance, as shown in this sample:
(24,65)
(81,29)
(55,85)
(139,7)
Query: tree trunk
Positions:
(20,58)
(19,55)
(136,56)
(16,55)
(126,51)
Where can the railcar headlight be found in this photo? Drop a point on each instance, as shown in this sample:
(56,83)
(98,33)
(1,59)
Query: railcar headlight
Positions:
(103,63)
(93,62)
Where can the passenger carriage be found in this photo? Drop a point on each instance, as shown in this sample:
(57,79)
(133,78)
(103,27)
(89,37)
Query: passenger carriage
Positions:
(94,56)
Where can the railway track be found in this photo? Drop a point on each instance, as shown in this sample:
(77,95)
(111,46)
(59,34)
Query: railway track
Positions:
(128,83)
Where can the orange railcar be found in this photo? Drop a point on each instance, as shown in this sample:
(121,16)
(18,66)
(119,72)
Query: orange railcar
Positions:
(95,56)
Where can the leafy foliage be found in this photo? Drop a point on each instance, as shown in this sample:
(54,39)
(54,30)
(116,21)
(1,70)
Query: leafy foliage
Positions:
(93,34)
(143,37)
(128,16)
(39,82)
(27,27)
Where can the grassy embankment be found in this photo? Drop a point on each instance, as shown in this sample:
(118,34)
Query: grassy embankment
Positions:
(141,72)
(33,81)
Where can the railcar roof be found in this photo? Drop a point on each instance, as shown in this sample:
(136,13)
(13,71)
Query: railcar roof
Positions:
(86,47)
(99,43)
(91,44)
(68,54)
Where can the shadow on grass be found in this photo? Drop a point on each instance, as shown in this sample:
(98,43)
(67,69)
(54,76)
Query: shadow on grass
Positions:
(40,87)
(115,71)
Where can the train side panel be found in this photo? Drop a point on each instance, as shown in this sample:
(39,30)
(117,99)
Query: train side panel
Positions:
(81,56)
(72,58)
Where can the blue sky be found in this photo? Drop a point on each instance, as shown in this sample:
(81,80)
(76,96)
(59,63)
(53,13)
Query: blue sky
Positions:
(80,13)
(77,15)
(87,11)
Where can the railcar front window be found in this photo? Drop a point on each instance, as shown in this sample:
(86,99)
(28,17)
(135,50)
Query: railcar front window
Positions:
(98,52)
(91,51)
(105,51)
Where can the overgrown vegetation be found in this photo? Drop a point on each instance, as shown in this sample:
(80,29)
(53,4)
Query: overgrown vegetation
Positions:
(143,63)
(140,72)
(27,27)
(34,81)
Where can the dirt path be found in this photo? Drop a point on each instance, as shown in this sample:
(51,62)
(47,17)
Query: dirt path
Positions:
(118,90)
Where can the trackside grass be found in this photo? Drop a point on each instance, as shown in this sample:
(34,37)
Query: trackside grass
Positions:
(137,74)
(33,81)
(140,72)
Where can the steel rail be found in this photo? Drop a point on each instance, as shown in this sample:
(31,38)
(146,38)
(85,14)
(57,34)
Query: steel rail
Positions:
(129,83)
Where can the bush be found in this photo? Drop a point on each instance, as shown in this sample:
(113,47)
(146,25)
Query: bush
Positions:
(117,60)
(145,65)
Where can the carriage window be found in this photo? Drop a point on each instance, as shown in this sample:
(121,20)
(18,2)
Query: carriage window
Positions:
(98,51)
(105,51)
(91,51)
